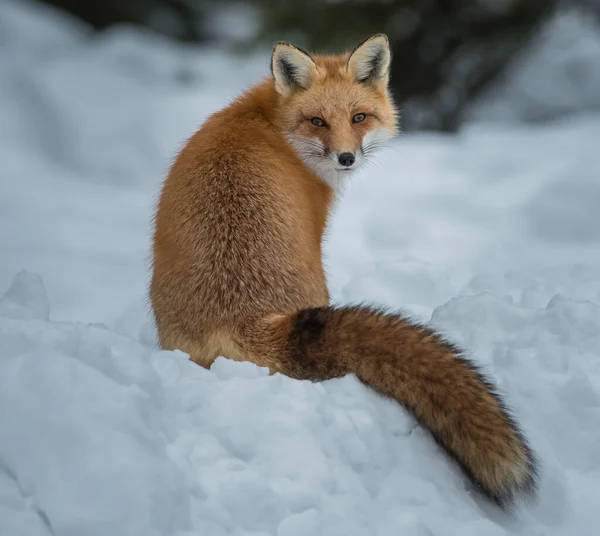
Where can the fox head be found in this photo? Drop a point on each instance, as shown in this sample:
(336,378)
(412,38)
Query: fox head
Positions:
(336,111)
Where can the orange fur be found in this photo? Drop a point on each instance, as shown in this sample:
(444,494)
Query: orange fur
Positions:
(238,267)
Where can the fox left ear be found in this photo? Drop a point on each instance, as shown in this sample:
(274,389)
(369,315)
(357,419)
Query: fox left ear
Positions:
(292,68)
(369,62)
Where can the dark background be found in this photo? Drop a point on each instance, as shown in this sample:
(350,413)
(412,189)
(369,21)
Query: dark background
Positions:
(446,52)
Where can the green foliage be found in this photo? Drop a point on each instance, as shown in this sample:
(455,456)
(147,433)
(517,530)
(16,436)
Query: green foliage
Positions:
(181,19)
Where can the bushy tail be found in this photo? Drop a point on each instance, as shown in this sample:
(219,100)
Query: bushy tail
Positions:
(425,374)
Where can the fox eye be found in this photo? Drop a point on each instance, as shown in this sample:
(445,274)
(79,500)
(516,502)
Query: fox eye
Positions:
(359,118)
(318,122)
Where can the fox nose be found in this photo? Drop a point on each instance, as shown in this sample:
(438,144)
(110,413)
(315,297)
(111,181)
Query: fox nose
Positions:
(346,159)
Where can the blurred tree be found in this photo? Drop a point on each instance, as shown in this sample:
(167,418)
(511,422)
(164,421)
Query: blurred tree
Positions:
(445,52)
(593,6)
(180,19)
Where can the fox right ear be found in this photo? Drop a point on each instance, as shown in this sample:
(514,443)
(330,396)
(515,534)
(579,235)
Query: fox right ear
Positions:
(292,68)
(369,62)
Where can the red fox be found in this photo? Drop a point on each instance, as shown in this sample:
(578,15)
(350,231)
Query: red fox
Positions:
(237,260)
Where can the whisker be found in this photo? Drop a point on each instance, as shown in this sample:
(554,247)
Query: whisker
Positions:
(373,145)
(308,142)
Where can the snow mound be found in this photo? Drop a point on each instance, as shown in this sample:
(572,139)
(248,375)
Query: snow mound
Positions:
(104,435)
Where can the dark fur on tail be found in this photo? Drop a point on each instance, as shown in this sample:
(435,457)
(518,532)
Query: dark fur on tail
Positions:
(428,376)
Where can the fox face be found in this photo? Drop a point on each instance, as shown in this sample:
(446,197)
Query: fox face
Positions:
(335,111)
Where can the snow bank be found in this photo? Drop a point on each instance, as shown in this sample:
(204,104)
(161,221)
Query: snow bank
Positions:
(102,435)
(491,235)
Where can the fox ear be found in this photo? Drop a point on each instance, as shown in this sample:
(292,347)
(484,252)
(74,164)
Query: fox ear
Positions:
(292,68)
(369,62)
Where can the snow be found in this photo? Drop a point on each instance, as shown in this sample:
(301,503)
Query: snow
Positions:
(492,235)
